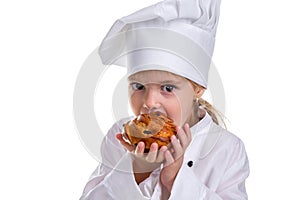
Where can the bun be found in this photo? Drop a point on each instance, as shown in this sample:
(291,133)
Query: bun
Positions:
(149,128)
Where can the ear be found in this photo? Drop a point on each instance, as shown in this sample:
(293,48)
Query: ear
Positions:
(199,91)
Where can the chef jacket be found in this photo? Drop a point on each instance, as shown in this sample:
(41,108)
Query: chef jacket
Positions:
(215,167)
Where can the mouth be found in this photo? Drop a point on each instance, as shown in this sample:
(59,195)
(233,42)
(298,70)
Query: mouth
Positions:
(149,128)
(154,110)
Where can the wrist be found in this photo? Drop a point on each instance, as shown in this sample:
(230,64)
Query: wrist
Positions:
(142,166)
(165,193)
(140,177)
(142,170)
(168,187)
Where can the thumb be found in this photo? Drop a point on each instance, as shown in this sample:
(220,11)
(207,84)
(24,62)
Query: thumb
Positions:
(128,146)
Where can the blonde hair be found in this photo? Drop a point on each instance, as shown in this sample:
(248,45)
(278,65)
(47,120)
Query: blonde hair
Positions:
(216,115)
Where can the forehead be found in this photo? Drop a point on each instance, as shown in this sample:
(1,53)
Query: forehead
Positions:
(156,76)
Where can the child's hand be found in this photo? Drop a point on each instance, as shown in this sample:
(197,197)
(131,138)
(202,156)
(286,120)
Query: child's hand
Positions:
(174,158)
(144,162)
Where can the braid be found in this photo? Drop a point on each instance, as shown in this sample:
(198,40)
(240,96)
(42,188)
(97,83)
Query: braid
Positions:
(216,116)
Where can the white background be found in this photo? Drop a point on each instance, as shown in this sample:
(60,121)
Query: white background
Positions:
(44,43)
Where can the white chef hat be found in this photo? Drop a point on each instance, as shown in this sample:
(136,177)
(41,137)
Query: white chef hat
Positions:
(173,35)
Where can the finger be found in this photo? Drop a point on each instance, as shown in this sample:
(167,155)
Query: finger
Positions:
(184,136)
(151,156)
(171,150)
(160,157)
(178,151)
(181,136)
(187,130)
(139,150)
(169,158)
(128,146)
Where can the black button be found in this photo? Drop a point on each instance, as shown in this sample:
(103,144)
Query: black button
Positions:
(190,163)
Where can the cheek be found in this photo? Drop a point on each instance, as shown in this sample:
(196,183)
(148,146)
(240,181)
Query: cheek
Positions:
(136,103)
(174,111)
(180,110)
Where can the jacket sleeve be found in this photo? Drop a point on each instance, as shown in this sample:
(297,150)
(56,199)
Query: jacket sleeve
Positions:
(231,185)
(113,178)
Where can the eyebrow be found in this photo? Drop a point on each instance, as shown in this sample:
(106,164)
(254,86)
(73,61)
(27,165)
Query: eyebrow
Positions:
(176,82)
(171,82)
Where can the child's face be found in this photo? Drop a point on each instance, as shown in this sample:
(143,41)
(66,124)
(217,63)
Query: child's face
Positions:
(165,92)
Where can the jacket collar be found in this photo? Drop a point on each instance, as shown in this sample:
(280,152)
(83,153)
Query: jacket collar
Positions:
(207,134)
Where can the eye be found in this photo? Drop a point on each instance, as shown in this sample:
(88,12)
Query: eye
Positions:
(167,88)
(137,86)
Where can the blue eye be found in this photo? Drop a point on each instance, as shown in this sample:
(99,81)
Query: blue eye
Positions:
(137,86)
(167,88)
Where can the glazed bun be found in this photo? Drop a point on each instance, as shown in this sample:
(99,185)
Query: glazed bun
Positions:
(149,128)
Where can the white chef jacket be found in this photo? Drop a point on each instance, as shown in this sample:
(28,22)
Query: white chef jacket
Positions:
(215,167)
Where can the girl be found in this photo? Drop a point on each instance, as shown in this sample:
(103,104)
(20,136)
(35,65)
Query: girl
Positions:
(205,161)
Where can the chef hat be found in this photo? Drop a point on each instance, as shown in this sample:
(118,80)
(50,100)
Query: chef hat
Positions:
(173,35)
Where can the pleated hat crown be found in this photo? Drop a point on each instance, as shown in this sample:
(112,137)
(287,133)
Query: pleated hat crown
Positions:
(173,35)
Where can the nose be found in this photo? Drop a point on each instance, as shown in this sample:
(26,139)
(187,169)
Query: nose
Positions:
(151,99)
